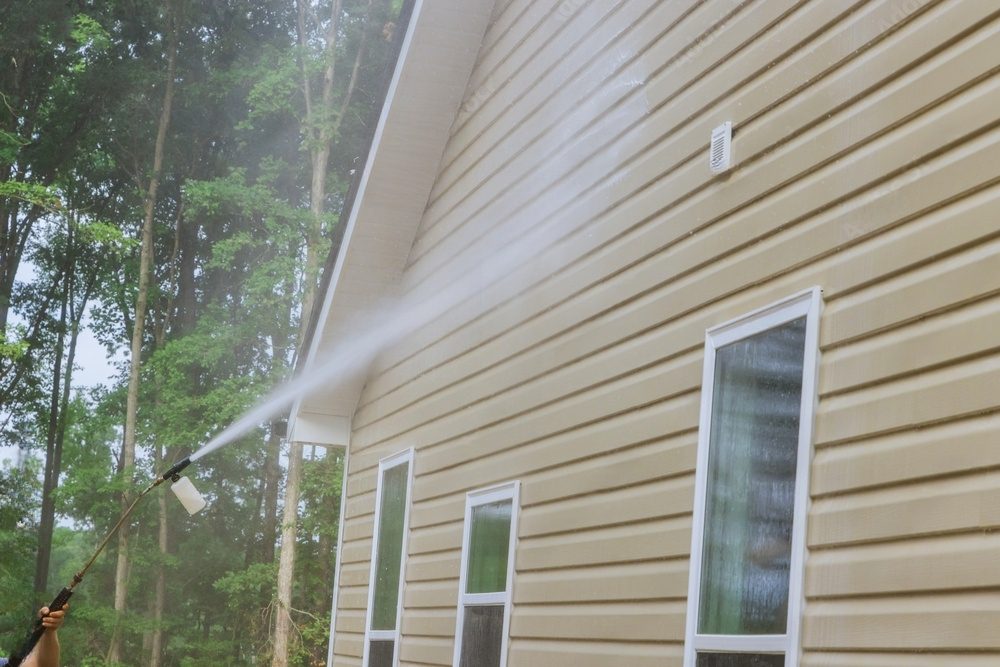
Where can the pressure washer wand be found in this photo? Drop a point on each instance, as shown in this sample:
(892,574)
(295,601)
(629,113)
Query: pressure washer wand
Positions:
(64,595)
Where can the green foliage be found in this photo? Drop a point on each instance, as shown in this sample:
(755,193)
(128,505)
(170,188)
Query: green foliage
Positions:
(251,588)
(231,220)
(18,498)
(106,238)
(321,483)
(34,194)
(10,146)
(13,349)
(274,88)
(313,635)
(89,34)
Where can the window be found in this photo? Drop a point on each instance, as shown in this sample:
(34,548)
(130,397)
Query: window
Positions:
(385,584)
(751,495)
(488,546)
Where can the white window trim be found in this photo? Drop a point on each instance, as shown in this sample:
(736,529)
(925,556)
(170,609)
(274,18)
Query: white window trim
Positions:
(340,549)
(385,464)
(808,304)
(509,491)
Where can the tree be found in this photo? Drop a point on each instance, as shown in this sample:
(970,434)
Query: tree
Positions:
(49,97)
(127,461)
(18,493)
(326,104)
(78,258)
(235,220)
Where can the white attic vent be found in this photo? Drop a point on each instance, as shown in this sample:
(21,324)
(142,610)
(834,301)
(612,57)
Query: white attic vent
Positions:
(720,152)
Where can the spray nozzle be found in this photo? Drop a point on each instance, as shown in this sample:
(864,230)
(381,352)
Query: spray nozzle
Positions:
(188,495)
(175,469)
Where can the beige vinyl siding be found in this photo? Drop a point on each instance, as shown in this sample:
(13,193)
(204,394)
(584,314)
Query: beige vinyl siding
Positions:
(866,137)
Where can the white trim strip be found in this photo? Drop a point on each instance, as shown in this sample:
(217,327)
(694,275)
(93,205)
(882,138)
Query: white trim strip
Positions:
(741,643)
(340,549)
(500,597)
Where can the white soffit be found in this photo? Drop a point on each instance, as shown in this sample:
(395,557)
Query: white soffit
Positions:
(432,73)
(326,430)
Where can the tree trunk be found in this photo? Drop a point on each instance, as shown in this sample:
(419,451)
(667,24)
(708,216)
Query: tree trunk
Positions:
(135,361)
(7,267)
(50,480)
(325,548)
(14,237)
(253,545)
(281,340)
(156,649)
(272,479)
(320,150)
(322,134)
(286,564)
(186,289)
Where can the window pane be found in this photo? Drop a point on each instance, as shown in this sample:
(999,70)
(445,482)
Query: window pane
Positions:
(751,483)
(380,653)
(489,540)
(739,660)
(390,547)
(482,636)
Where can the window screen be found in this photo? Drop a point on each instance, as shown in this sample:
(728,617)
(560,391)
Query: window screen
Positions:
(482,636)
(740,660)
(380,653)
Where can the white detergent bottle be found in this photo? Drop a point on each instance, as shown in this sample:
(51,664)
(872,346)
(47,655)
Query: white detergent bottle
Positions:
(188,495)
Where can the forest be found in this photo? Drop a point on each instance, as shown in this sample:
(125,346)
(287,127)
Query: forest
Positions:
(172,178)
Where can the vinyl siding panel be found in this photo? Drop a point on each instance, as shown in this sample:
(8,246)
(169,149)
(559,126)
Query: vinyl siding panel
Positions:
(865,135)
(603,251)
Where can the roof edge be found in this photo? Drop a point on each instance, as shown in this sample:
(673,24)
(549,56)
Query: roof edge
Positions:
(435,61)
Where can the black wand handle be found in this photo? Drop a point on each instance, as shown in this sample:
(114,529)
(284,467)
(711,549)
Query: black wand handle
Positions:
(36,632)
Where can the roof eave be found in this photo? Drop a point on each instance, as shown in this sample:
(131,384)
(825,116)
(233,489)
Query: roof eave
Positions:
(426,91)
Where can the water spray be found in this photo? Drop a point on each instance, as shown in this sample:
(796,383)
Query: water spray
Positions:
(185,492)
(395,320)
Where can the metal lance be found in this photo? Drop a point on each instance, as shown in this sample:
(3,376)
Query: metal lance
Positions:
(64,595)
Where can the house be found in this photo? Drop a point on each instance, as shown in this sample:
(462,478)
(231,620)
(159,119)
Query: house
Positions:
(675,277)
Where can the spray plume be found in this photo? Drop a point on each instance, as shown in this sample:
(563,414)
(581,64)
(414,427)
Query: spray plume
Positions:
(390,323)
(526,237)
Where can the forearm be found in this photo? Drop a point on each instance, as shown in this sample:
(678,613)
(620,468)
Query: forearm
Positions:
(46,654)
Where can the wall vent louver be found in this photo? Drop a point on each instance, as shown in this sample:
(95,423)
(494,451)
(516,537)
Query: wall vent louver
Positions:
(720,152)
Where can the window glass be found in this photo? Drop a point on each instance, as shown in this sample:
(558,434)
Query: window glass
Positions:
(489,543)
(390,548)
(740,660)
(380,653)
(482,636)
(751,488)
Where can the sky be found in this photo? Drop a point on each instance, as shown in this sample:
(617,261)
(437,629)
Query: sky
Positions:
(93,367)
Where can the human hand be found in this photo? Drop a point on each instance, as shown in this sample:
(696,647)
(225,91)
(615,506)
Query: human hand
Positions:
(52,621)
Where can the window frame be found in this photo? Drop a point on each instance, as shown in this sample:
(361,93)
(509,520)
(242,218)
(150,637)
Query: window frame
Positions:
(384,465)
(507,491)
(806,304)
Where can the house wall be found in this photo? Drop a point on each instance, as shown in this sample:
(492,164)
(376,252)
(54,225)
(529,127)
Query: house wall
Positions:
(866,136)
